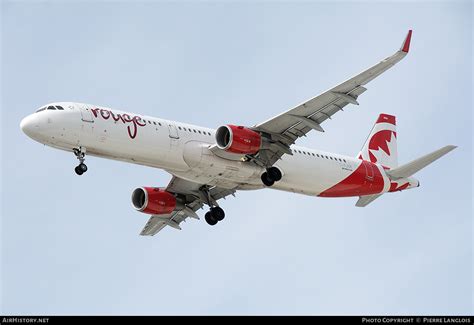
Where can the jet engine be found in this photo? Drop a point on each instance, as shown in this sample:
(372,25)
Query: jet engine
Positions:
(238,139)
(153,200)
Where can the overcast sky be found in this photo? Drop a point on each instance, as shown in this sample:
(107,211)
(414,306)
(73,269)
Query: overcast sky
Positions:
(70,244)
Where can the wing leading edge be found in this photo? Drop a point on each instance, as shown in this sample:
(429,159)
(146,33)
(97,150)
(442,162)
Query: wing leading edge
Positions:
(287,127)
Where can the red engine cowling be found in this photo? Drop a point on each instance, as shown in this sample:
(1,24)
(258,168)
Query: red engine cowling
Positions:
(153,200)
(238,139)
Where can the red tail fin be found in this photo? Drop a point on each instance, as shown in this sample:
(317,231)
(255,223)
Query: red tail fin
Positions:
(381,145)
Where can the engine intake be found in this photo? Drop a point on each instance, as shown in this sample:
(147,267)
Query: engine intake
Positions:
(153,200)
(238,139)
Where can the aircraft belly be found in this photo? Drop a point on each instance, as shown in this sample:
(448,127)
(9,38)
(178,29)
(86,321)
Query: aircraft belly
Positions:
(310,177)
(206,167)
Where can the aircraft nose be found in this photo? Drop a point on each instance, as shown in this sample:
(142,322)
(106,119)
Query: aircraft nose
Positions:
(29,126)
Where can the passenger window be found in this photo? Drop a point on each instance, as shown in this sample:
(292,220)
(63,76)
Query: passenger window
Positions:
(179,127)
(194,131)
(317,155)
(326,157)
(154,122)
(199,132)
(159,123)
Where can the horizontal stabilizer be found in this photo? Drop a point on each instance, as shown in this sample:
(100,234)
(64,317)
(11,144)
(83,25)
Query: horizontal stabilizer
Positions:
(366,200)
(412,167)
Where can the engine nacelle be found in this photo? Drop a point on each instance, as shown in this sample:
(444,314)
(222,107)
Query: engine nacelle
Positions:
(153,200)
(238,139)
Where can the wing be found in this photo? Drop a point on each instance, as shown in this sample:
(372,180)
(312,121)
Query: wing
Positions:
(195,195)
(284,129)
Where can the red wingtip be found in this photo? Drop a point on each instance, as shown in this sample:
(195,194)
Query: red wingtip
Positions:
(406,44)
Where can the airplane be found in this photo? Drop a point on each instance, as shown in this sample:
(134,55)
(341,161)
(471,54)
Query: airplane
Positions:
(207,165)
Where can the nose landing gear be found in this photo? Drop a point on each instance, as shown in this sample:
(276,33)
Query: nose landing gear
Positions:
(80,154)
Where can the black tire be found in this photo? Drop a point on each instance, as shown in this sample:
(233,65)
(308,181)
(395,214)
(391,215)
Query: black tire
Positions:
(266,180)
(274,174)
(218,213)
(83,167)
(78,170)
(210,218)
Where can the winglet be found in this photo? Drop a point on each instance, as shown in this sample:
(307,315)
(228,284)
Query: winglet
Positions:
(406,44)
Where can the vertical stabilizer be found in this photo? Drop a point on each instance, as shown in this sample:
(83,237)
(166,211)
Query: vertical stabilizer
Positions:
(381,144)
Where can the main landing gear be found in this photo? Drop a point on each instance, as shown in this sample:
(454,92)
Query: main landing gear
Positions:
(215,213)
(80,154)
(271,176)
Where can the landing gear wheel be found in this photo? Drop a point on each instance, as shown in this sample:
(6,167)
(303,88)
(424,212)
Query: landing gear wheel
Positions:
(218,213)
(267,180)
(80,154)
(274,174)
(210,218)
(83,167)
(78,170)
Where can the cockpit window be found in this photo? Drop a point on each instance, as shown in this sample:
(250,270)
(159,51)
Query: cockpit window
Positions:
(51,107)
(41,109)
(60,108)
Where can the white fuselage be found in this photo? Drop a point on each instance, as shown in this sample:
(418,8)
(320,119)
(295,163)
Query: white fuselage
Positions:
(183,150)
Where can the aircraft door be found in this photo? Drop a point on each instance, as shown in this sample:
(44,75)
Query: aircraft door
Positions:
(173,131)
(174,135)
(86,113)
(369,171)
